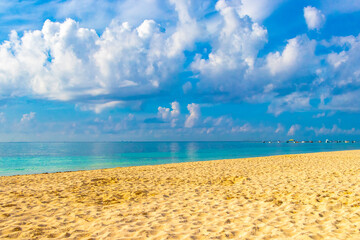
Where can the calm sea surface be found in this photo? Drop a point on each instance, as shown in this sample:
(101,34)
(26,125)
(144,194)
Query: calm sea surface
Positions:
(29,158)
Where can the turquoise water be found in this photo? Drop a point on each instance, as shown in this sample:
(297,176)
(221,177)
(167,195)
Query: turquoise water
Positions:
(29,158)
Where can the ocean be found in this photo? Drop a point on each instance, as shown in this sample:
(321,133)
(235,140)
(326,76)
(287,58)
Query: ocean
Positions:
(30,158)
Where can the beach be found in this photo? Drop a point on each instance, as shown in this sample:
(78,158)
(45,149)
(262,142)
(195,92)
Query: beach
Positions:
(301,196)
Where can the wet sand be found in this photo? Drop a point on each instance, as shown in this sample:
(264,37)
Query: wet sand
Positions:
(304,196)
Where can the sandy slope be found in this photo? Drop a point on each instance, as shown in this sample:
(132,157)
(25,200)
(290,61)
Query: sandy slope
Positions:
(309,196)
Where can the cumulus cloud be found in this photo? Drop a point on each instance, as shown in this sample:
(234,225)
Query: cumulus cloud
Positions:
(343,102)
(186,32)
(233,70)
(314,18)
(293,129)
(66,62)
(193,117)
(63,61)
(337,59)
(297,59)
(27,117)
(175,112)
(292,102)
(342,75)
(258,10)
(142,58)
(233,54)
(164,113)
(167,114)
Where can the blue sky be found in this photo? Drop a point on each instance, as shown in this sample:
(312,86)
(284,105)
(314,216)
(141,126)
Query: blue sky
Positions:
(154,70)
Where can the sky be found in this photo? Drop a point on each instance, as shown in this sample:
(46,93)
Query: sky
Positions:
(179,70)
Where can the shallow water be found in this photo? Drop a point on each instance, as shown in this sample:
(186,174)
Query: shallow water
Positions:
(29,158)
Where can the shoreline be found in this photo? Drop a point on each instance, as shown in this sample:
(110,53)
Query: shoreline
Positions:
(299,196)
(223,159)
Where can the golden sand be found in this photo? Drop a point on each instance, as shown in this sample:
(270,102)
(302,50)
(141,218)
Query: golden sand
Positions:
(305,196)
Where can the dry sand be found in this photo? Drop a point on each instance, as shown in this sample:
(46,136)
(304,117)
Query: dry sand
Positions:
(305,196)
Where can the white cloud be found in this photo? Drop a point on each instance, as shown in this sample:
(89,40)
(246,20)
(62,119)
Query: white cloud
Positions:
(343,102)
(167,114)
(164,113)
(297,58)
(342,75)
(186,32)
(234,52)
(345,63)
(99,107)
(175,112)
(27,117)
(66,62)
(258,10)
(314,18)
(147,28)
(193,117)
(141,58)
(293,102)
(293,129)
(337,59)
